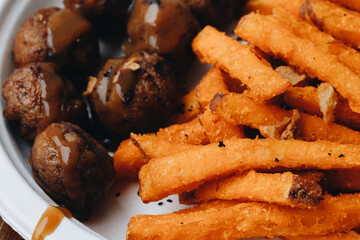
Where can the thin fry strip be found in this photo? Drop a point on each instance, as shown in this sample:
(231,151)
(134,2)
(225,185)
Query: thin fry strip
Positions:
(128,158)
(210,84)
(352,235)
(267,6)
(240,62)
(301,190)
(343,179)
(306,99)
(185,171)
(303,29)
(235,220)
(340,22)
(352,4)
(238,109)
(272,36)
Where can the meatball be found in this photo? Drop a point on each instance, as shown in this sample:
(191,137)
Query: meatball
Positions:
(164,27)
(71,167)
(134,94)
(36,96)
(59,36)
(107,16)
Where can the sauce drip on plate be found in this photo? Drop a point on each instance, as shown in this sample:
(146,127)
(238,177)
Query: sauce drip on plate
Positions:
(49,221)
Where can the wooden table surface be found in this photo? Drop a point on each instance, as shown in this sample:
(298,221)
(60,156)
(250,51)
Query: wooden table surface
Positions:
(6,232)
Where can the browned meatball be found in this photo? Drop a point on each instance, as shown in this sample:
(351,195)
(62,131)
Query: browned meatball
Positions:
(37,96)
(164,27)
(71,167)
(135,94)
(107,16)
(58,36)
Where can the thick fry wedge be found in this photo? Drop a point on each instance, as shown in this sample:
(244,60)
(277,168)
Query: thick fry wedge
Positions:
(185,171)
(272,36)
(238,109)
(352,235)
(240,61)
(267,6)
(301,190)
(340,22)
(306,99)
(303,29)
(210,84)
(235,220)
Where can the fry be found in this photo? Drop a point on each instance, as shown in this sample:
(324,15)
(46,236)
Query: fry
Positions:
(217,129)
(234,220)
(190,108)
(240,110)
(340,22)
(211,83)
(306,99)
(279,188)
(267,6)
(272,36)
(344,179)
(352,4)
(352,235)
(240,62)
(303,29)
(184,171)
(128,158)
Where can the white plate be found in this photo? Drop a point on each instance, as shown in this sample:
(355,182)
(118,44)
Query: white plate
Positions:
(22,202)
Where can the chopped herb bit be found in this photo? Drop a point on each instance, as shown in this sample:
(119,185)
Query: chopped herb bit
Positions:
(341,155)
(221,144)
(160,203)
(169,200)
(277,160)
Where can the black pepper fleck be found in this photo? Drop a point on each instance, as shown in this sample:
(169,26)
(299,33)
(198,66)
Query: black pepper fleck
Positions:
(117,194)
(341,155)
(329,154)
(138,193)
(160,203)
(189,109)
(169,200)
(217,188)
(221,144)
(181,223)
(277,160)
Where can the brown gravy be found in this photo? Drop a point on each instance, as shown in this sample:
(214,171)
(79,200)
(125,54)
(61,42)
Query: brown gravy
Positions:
(49,221)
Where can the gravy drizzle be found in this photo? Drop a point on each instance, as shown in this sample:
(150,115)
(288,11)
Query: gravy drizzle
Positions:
(49,221)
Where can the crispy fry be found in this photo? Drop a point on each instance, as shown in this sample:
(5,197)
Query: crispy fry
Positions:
(235,220)
(301,190)
(306,99)
(267,6)
(340,22)
(344,179)
(238,109)
(217,129)
(272,36)
(190,108)
(240,62)
(352,4)
(184,171)
(352,235)
(128,158)
(211,83)
(303,29)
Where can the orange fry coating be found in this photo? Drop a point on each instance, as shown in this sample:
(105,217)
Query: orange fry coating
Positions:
(344,179)
(240,61)
(184,171)
(267,6)
(306,99)
(285,188)
(190,108)
(352,235)
(238,109)
(236,220)
(340,22)
(352,4)
(211,84)
(272,36)
(303,29)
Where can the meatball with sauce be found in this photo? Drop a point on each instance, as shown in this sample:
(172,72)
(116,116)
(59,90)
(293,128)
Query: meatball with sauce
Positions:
(164,27)
(134,94)
(36,95)
(59,36)
(107,16)
(71,167)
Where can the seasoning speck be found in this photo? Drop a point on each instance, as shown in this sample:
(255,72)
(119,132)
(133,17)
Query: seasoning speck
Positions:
(341,155)
(138,193)
(160,203)
(169,200)
(277,160)
(117,194)
(181,223)
(217,188)
(221,144)
(329,154)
